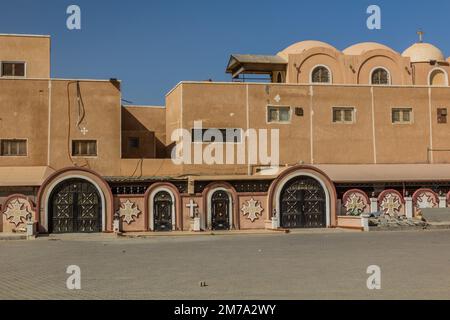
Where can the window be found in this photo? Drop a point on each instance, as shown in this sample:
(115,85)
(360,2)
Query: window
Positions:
(343,115)
(84,148)
(380,76)
(278,114)
(321,74)
(13,69)
(442,115)
(133,143)
(13,148)
(401,115)
(229,135)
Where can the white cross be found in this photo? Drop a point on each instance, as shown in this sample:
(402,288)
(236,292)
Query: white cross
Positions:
(84,131)
(191,205)
(278,98)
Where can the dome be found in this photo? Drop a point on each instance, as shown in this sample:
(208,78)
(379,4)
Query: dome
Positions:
(302,46)
(423,52)
(361,48)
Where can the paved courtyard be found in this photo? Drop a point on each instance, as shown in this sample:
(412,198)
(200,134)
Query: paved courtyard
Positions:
(303,265)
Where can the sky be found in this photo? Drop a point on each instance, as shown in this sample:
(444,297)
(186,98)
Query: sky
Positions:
(151,45)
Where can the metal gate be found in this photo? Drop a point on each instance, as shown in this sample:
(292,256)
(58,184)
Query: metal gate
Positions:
(303,204)
(75,207)
(220,211)
(162,212)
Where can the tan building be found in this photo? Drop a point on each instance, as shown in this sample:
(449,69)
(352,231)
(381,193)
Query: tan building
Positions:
(360,130)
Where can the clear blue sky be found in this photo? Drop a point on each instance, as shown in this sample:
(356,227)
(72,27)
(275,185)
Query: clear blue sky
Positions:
(151,45)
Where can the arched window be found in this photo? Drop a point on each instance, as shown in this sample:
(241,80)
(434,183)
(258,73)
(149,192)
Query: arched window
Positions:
(380,76)
(438,77)
(321,74)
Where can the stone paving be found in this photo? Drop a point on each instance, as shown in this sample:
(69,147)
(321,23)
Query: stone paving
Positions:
(309,265)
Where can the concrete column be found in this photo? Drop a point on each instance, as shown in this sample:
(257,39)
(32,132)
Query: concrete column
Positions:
(373,205)
(31,230)
(443,202)
(365,222)
(116,224)
(409,210)
(196,225)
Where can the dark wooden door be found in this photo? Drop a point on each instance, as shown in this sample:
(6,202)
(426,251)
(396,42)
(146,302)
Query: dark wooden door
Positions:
(220,211)
(303,204)
(75,207)
(162,211)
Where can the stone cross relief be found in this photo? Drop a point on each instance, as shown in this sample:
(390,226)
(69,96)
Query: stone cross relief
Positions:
(192,208)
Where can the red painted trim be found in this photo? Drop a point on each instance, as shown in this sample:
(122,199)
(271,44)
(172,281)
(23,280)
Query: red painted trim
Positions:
(178,204)
(349,192)
(382,195)
(418,192)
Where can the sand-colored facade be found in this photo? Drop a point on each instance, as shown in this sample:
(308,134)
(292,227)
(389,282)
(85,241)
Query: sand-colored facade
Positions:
(131,173)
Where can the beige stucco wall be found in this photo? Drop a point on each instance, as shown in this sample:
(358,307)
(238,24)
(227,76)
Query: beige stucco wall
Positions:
(33,50)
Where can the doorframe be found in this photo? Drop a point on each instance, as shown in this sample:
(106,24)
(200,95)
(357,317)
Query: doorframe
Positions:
(292,176)
(151,199)
(209,207)
(55,183)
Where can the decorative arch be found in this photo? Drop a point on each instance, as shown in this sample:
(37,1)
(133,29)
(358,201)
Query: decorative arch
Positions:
(234,205)
(433,72)
(391,202)
(356,202)
(15,210)
(278,184)
(425,198)
(177,219)
(88,175)
(391,57)
(316,69)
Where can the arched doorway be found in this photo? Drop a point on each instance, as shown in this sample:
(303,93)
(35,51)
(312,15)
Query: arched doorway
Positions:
(162,211)
(303,204)
(75,206)
(220,210)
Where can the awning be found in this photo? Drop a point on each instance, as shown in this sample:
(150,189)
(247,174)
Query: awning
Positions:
(256,64)
(387,172)
(24,176)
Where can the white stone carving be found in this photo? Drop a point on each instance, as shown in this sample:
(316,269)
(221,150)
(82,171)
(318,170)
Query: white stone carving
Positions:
(425,201)
(128,211)
(391,204)
(17,211)
(355,204)
(252,209)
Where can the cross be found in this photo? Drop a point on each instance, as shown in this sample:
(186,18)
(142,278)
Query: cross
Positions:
(84,131)
(420,33)
(191,205)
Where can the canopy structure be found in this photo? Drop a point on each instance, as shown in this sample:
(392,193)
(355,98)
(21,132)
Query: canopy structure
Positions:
(254,64)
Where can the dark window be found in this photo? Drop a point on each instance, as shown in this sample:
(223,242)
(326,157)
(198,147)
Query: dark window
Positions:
(380,77)
(321,75)
(401,115)
(84,148)
(11,148)
(13,69)
(133,142)
(442,115)
(278,114)
(229,135)
(343,115)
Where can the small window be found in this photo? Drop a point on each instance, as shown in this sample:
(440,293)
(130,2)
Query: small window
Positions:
(343,115)
(442,115)
(13,148)
(133,143)
(84,148)
(229,135)
(321,74)
(13,69)
(401,115)
(278,114)
(380,76)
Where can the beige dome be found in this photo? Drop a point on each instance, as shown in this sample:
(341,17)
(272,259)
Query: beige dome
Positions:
(302,46)
(423,52)
(361,48)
